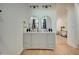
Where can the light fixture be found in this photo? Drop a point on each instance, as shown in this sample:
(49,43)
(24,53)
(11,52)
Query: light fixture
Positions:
(34,6)
(46,6)
(0,10)
(43,6)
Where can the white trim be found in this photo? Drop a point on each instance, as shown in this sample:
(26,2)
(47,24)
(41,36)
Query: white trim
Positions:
(72,45)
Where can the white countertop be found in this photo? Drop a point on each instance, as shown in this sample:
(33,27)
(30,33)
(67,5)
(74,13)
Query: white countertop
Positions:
(38,32)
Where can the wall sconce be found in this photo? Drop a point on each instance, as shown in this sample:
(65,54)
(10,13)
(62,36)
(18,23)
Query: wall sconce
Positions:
(46,6)
(0,10)
(43,6)
(34,6)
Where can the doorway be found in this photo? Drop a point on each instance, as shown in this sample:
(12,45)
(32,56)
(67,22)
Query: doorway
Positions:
(61,33)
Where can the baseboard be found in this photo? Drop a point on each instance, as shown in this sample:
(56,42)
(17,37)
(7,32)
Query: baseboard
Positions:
(72,45)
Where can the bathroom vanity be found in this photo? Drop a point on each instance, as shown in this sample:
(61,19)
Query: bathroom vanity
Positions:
(39,40)
(38,35)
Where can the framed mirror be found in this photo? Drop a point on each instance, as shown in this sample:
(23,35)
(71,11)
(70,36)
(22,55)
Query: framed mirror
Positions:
(34,22)
(46,22)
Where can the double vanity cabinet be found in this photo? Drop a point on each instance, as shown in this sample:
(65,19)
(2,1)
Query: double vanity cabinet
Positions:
(38,33)
(39,40)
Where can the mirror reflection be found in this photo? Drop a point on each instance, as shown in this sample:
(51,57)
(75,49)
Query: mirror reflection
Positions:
(43,24)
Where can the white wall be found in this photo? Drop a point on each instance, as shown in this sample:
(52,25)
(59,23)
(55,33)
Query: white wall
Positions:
(77,23)
(72,27)
(1,30)
(12,33)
